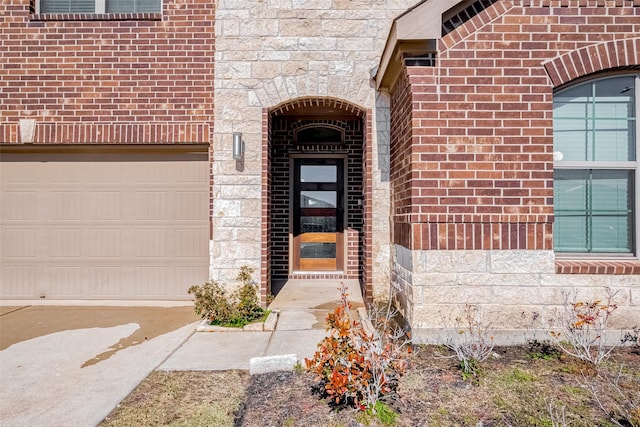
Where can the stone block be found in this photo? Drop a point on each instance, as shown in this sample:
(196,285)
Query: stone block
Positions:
(521,261)
(233,70)
(519,295)
(576,280)
(498,280)
(226,208)
(317,43)
(632,281)
(279,4)
(264,365)
(341,68)
(457,295)
(311,4)
(436,279)
(258,28)
(266,69)
(451,261)
(345,28)
(634,298)
(280,44)
(300,28)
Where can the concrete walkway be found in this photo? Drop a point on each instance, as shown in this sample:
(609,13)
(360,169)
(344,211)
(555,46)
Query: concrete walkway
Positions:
(68,363)
(303,307)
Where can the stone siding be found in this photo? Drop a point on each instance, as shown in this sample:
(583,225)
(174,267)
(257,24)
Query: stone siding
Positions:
(272,52)
(507,287)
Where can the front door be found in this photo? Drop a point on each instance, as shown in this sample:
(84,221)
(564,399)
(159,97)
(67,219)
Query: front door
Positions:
(318,214)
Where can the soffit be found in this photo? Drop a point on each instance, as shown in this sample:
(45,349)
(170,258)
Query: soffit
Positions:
(413,33)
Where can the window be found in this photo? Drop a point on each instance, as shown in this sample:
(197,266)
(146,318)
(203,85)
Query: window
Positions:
(595,132)
(99,6)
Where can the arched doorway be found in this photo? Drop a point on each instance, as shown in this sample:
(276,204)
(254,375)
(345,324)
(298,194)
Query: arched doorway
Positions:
(315,192)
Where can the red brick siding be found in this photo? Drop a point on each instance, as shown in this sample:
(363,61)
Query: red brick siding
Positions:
(282,146)
(90,80)
(591,59)
(401,164)
(482,131)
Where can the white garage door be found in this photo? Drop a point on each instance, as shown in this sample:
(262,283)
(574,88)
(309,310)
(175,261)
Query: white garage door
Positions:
(104,224)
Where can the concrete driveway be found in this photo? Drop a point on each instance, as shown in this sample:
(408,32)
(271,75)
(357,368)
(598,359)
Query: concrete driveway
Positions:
(71,365)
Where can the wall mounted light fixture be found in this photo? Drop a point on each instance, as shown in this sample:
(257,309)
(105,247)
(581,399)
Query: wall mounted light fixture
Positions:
(238,146)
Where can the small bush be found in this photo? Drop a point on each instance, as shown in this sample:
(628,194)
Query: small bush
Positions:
(472,342)
(580,327)
(617,396)
(213,302)
(356,366)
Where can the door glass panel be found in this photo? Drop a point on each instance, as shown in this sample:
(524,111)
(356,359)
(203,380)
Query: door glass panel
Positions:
(318,224)
(317,250)
(318,199)
(318,173)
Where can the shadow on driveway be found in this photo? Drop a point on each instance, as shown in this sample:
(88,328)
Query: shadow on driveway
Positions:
(19,324)
(49,358)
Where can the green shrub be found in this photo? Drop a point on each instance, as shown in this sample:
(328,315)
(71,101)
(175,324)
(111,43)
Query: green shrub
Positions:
(213,303)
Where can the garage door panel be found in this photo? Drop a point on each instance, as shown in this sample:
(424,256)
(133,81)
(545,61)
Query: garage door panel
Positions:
(66,281)
(151,280)
(19,281)
(66,205)
(104,205)
(19,205)
(151,205)
(103,226)
(104,243)
(189,243)
(106,281)
(150,243)
(189,205)
(19,243)
(65,242)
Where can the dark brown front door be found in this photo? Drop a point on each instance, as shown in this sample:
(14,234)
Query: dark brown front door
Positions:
(318,214)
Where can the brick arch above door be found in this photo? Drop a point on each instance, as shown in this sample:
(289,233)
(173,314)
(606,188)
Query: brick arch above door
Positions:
(322,111)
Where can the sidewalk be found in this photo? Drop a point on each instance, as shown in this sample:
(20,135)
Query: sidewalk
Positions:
(71,362)
(303,307)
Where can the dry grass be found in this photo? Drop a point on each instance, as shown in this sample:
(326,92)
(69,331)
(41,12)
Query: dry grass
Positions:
(513,389)
(183,398)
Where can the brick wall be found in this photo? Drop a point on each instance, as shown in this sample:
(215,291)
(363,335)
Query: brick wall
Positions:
(472,166)
(481,154)
(140,78)
(282,146)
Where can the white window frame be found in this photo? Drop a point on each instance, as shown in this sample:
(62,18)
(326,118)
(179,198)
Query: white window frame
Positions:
(628,165)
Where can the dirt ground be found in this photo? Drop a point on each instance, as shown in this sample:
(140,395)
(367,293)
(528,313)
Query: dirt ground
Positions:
(518,386)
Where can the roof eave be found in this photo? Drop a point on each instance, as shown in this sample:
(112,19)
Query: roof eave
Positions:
(415,32)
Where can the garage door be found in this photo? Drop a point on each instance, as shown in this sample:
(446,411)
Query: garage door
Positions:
(103,224)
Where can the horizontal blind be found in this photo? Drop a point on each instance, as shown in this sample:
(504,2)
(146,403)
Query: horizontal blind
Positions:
(67,6)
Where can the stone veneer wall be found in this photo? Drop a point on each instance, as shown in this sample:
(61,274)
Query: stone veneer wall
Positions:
(472,166)
(508,287)
(270,52)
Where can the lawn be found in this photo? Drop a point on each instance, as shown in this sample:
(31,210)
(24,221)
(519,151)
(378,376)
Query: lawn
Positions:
(530,385)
